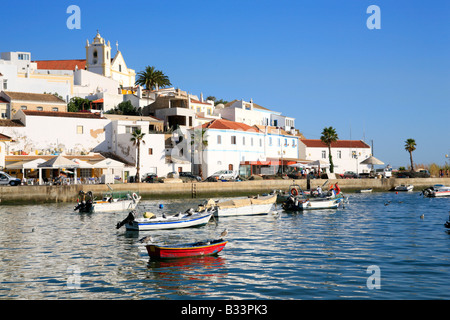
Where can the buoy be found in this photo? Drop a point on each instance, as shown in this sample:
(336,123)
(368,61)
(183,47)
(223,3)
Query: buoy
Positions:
(161,206)
(396,192)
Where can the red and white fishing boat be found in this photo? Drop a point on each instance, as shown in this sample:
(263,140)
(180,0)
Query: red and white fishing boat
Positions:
(438,190)
(202,248)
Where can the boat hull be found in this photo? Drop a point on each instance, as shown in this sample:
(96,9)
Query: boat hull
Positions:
(245,207)
(184,251)
(143,224)
(104,206)
(300,204)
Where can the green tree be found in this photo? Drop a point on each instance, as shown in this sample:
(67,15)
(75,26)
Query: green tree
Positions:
(77,104)
(329,136)
(137,138)
(152,79)
(410,146)
(125,108)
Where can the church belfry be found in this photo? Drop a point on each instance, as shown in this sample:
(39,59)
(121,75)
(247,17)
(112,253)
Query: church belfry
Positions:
(98,56)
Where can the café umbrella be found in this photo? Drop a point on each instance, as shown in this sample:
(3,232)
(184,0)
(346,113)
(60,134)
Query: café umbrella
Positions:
(58,162)
(372,161)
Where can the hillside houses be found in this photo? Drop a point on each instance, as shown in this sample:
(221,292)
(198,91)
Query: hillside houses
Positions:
(182,131)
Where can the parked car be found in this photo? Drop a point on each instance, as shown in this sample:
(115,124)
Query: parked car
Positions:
(150,177)
(385,173)
(7,179)
(223,175)
(350,175)
(190,175)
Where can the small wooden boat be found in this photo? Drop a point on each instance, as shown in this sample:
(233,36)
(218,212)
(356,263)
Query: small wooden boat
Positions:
(404,187)
(243,206)
(202,248)
(436,191)
(300,203)
(364,190)
(190,218)
(110,202)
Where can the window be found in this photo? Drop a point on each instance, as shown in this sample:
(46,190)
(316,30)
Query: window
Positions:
(23,107)
(130,129)
(293,143)
(120,68)
(219,139)
(279,142)
(251,142)
(150,151)
(23,56)
(233,139)
(5,84)
(260,142)
(324,154)
(243,141)
(339,155)
(209,112)
(270,141)
(199,109)
(55,109)
(286,143)
(79,129)
(39,108)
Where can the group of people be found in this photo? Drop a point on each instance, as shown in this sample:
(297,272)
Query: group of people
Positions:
(334,189)
(443,173)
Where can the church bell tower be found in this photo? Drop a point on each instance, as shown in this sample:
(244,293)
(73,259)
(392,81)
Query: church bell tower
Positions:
(98,56)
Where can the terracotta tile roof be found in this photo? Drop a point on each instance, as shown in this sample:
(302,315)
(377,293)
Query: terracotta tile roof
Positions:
(228,125)
(87,115)
(61,64)
(4,137)
(26,96)
(317,143)
(10,123)
(199,102)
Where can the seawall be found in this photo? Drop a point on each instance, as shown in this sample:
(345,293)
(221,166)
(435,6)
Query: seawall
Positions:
(49,194)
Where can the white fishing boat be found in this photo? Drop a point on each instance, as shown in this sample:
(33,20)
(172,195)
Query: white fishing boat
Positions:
(187,219)
(438,190)
(110,202)
(243,206)
(404,187)
(368,190)
(300,203)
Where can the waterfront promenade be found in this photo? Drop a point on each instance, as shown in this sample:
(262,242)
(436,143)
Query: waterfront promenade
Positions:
(69,193)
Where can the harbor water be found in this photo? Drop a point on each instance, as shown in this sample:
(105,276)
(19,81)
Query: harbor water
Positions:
(379,246)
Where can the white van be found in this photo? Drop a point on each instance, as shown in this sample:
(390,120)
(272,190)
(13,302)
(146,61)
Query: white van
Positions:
(385,172)
(7,179)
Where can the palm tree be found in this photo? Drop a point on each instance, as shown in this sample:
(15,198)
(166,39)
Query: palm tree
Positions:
(410,146)
(199,143)
(137,137)
(329,136)
(152,78)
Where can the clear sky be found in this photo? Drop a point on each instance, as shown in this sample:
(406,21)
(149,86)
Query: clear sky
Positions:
(314,60)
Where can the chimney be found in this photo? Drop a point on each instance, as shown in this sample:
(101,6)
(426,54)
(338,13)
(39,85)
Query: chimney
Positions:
(201,96)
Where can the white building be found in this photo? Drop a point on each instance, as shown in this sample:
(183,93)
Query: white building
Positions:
(18,73)
(346,154)
(155,157)
(252,114)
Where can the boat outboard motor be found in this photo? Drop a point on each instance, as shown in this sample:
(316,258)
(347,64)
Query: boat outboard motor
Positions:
(130,218)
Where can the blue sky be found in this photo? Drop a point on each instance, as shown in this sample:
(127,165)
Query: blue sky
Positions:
(314,60)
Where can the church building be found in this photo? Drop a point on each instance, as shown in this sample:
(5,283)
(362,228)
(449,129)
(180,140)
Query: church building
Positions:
(100,61)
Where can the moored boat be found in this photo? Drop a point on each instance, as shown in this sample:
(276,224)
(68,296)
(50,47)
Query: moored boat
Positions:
(110,202)
(201,248)
(300,203)
(404,187)
(368,190)
(438,190)
(243,206)
(190,218)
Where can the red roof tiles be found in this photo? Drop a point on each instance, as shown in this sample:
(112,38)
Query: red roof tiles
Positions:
(61,64)
(317,143)
(228,125)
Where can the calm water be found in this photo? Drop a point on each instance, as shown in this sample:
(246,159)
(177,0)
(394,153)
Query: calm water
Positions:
(51,252)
